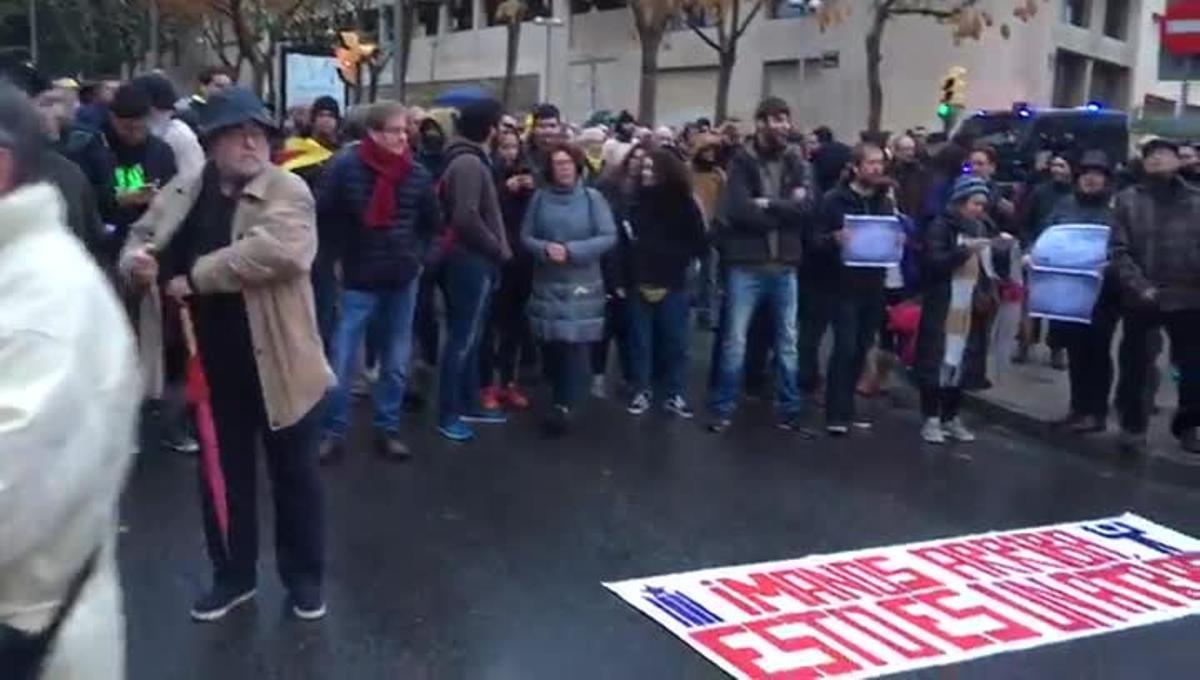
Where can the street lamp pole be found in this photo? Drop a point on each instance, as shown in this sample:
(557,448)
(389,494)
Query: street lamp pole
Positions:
(33,32)
(549,23)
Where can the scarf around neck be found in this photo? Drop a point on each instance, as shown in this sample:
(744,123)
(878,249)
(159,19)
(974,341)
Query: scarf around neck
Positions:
(391,170)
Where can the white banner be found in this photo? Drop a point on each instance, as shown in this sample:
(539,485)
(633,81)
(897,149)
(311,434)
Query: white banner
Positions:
(879,611)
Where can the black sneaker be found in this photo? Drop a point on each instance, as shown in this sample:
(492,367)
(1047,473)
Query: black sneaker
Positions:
(719,425)
(389,447)
(216,603)
(308,605)
(558,422)
(796,424)
(679,407)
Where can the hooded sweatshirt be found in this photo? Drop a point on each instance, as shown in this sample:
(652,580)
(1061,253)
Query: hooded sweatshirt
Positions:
(470,202)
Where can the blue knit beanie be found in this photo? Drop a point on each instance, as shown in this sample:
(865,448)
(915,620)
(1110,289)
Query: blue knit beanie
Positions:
(967,186)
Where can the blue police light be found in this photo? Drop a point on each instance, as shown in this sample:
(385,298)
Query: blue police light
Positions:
(1022,109)
(1092,107)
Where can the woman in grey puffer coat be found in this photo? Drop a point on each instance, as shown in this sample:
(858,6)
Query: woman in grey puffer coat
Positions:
(567,229)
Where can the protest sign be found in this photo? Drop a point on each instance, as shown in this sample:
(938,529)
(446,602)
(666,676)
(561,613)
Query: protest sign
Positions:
(1066,271)
(874,241)
(884,610)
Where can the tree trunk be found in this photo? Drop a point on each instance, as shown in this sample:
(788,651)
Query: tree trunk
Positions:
(648,90)
(510,63)
(874,85)
(153,52)
(404,16)
(725,61)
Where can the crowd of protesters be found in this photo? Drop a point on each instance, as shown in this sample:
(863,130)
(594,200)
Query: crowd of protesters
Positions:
(362,251)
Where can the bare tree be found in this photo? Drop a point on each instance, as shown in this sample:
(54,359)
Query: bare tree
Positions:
(731,21)
(651,18)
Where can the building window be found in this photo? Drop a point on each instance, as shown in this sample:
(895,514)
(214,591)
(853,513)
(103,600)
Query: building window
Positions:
(461,14)
(585,6)
(533,8)
(427,18)
(790,9)
(1116,19)
(1077,12)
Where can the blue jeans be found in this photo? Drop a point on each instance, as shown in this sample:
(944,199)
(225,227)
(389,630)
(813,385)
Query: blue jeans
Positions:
(855,317)
(745,288)
(467,281)
(657,339)
(393,311)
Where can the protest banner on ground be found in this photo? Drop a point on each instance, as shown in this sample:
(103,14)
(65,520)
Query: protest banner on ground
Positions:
(884,610)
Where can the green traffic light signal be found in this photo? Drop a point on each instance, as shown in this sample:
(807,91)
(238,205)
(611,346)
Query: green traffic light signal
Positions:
(944,110)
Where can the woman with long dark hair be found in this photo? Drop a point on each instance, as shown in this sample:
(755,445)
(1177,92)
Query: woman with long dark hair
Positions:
(507,328)
(661,235)
(567,230)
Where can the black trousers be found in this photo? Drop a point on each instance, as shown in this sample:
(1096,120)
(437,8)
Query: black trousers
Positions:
(1090,363)
(291,462)
(941,402)
(1136,354)
(566,365)
(507,330)
(615,322)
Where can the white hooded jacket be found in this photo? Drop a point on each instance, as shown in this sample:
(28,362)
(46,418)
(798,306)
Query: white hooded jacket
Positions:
(68,403)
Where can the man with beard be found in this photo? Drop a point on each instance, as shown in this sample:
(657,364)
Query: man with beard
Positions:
(848,298)
(189,156)
(1089,346)
(234,244)
(1153,252)
(768,191)
(1189,162)
(547,131)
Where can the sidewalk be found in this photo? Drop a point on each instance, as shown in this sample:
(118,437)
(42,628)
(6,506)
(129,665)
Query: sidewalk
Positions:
(1031,397)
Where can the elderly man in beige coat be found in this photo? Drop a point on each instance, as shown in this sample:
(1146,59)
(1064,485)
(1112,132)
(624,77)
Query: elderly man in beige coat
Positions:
(68,405)
(234,244)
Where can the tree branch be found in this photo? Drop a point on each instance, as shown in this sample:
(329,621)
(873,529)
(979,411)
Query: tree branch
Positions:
(703,36)
(739,30)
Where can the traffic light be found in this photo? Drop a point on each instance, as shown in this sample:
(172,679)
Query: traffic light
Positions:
(954,92)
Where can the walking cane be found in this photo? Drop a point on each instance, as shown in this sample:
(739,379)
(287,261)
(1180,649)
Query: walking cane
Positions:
(200,398)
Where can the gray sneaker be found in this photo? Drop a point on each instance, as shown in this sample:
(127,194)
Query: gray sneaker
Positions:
(955,430)
(639,404)
(932,431)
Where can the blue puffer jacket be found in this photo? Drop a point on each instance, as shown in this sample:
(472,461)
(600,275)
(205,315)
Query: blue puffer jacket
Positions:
(567,303)
(374,259)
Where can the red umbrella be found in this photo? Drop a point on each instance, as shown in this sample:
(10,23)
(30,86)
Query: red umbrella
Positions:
(199,396)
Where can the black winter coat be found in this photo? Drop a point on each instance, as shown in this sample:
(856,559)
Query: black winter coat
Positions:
(374,258)
(823,267)
(941,255)
(750,235)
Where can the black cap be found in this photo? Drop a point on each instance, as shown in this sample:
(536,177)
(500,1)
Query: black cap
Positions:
(1094,160)
(130,102)
(231,107)
(25,77)
(1159,143)
(158,89)
(326,104)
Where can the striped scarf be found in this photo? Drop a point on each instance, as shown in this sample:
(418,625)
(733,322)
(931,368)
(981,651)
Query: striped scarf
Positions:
(957,327)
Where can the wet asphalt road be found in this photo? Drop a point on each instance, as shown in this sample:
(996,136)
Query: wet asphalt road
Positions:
(485,561)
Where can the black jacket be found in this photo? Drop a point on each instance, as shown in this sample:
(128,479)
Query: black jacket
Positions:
(155,162)
(829,162)
(823,267)
(750,235)
(374,258)
(941,255)
(659,239)
(1037,208)
(83,215)
(512,204)
(1155,243)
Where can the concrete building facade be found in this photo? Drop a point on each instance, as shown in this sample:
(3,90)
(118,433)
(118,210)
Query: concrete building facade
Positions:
(1069,53)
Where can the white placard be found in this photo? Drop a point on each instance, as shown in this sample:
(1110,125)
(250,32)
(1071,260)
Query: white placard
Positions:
(874,241)
(310,76)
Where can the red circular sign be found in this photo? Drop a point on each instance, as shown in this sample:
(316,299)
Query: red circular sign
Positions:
(1181,28)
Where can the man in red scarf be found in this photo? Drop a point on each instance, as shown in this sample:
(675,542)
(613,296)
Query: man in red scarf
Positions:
(377,211)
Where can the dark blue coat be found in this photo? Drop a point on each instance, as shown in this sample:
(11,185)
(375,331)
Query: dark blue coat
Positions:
(374,258)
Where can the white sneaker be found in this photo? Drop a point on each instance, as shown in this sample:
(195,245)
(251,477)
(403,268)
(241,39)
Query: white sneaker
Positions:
(932,431)
(955,430)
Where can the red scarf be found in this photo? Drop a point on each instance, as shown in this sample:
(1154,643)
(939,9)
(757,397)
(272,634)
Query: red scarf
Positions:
(391,170)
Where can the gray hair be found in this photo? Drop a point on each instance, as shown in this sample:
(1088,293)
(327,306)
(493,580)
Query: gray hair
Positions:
(379,113)
(20,133)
